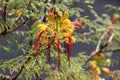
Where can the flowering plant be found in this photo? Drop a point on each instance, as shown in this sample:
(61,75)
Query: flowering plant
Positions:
(46,37)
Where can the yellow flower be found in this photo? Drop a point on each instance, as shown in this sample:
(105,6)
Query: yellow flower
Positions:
(65,15)
(57,12)
(58,37)
(107,62)
(116,16)
(93,64)
(67,28)
(42,27)
(99,57)
(70,39)
(71,26)
(97,71)
(94,67)
(67,32)
(50,17)
(48,31)
(73,39)
(55,15)
(44,40)
(16,13)
(106,70)
(66,23)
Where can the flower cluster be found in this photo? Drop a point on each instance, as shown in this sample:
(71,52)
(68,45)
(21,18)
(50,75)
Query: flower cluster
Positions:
(58,28)
(99,63)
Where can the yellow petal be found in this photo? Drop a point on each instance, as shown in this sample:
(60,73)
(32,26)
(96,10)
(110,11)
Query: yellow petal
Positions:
(18,13)
(42,27)
(65,15)
(66,23)
(106,70)
(107,62)
(93,64)
(116,16)
(98,71)
(50,17)
(99,57)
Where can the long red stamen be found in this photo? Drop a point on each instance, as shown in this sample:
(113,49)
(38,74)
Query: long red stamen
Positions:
(37,50)
(68,49)
(114,21)
(81,30)
(58,48)
(37,40)
(78,25)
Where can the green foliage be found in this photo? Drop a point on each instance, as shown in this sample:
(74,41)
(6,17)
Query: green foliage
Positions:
(28,65)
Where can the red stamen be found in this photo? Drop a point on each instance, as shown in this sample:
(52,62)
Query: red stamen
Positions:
(37,50)
(76,23)
(68,49)
(92,52)
(114,21)
(37,40)
(58,48)
(49,12)
(81,30)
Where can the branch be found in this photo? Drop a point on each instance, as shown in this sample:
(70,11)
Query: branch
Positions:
(49,45)
(99,48)
(111,50)
(100,41)
(24,22)
(22,67)
(34,62)
(4,14)
(18,73)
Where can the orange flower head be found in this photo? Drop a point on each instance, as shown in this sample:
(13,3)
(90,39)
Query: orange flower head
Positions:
(116,16)
(106,70)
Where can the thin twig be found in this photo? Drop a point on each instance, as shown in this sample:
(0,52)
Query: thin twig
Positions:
(112,50)
(100,41)
(22,67)
(4,12)
(34,61)
(18,73)
(99,48)
(24,22)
